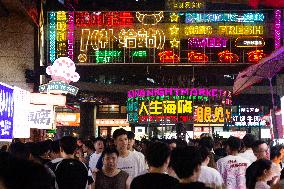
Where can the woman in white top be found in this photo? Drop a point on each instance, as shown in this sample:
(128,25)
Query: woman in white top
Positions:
(258,173)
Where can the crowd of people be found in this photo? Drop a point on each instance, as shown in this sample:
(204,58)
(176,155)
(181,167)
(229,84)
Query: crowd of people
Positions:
(123,163)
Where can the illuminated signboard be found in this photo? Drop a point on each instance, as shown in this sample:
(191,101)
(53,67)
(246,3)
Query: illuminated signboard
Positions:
(250,41)
(117,37)
(172,105)
(62,73)
(185,5)
(21,127)
(68,119)
(6,112)
(41,116)
(248,117)
(277,28)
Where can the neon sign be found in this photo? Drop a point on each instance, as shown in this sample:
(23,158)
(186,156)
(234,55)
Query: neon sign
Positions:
(249,41)
(171,106)
(208,92)
(217,114)
(198,30)
(227,57)
(248,117)
(168,57)
(223,17)
(174,17)
(138,53)
(277,27)
(153,32)
(187,5)
(197,57)
(106,56)
(240,30)
(149,19)
(207,42)
(62,73)
(52,36)
(61,34)
(70,35)
(84,19)
(255,56)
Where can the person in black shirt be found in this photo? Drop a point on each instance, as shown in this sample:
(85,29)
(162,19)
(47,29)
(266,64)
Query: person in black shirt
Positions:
(158,158)
(186,162)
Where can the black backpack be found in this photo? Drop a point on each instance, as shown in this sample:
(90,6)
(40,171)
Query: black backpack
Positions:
(71,174)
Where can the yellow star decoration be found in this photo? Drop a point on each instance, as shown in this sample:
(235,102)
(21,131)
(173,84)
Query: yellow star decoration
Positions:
(174,17)
(174,43)
(174,30)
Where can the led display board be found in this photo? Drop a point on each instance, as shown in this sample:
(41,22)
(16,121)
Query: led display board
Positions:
(202,106)
(118,37)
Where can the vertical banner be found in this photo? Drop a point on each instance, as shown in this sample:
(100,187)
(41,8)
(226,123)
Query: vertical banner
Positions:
(6,112)
(277,28)
(21,127)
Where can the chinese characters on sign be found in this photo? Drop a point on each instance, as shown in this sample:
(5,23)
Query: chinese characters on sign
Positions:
(6,112)
(41,117)
(248,117)
(172,105)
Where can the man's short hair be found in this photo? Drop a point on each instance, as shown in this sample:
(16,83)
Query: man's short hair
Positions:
(19,150)
(110,150)
(207,142)
(157,154)
(248,140)
(256,144)
(130,135)
(119,132)
(68,144)
(234,143)
(89,144)
(99,139)
(185,160)
(55,147)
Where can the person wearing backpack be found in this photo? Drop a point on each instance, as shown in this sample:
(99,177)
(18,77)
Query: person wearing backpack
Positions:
(71,173)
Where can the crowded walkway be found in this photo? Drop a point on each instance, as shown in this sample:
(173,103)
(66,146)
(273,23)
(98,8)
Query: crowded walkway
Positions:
(121,162)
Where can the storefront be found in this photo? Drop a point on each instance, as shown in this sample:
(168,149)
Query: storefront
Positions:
(106,127)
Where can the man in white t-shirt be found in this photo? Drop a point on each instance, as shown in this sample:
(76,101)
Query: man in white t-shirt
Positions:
(99,148)
(127,160)
(233,167)
(131,142)
(248,154)
(208,175)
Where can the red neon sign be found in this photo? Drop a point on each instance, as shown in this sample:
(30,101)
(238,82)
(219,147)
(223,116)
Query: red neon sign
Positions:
(168,57)
(197,57)
(85,18)
(255,56)
(228,57)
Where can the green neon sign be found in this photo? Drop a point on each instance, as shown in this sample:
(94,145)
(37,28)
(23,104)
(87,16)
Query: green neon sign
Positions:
(138,53)
(104,56)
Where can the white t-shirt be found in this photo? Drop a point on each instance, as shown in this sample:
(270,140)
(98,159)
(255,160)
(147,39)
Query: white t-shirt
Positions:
(249,155)
(132,164)
(210,177)
(94,160)
(233,171)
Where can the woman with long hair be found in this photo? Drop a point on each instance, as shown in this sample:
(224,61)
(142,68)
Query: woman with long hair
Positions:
(258,173)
